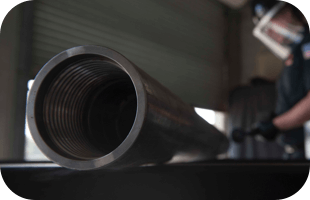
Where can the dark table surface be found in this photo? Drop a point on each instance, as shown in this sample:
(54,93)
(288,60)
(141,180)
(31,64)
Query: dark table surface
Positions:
(196,181)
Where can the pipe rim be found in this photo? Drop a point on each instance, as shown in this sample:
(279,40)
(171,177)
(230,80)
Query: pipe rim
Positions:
(127,67)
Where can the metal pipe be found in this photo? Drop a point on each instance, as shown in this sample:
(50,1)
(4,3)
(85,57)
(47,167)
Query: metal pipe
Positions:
(89,107)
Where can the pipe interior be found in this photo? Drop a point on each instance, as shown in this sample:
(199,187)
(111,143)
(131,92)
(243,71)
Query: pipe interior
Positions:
(86,107)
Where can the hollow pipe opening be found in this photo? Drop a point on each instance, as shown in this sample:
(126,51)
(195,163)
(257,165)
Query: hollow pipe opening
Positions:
(85,107)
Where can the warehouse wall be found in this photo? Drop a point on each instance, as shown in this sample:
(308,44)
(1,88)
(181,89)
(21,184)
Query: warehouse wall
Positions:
(256,60)
(233,49)
(9,52)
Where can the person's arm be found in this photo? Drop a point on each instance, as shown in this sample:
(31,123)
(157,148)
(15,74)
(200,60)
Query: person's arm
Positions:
(296,116)
(300,113)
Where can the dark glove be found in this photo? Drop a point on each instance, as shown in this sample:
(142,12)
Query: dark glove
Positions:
(268,130)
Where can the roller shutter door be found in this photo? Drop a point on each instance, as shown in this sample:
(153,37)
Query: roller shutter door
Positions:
(178,42)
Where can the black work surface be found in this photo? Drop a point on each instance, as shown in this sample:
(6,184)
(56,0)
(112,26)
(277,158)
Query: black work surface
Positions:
(161,182)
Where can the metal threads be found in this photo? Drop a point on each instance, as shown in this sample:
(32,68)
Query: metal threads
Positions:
(69,108)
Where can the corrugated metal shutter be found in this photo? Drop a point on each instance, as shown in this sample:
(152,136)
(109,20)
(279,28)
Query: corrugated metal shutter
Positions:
(179,43)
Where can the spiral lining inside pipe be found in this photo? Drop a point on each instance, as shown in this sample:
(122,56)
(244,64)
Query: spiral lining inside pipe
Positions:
(88,106)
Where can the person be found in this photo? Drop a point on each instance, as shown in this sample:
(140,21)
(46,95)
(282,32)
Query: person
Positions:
(284,30)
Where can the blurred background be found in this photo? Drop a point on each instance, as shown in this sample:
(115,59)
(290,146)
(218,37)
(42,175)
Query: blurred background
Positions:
(202,50)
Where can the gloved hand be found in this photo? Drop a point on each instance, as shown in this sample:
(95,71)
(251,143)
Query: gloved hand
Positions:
(268,130)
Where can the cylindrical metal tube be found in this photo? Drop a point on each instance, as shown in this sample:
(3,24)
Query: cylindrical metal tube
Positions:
(89,107)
